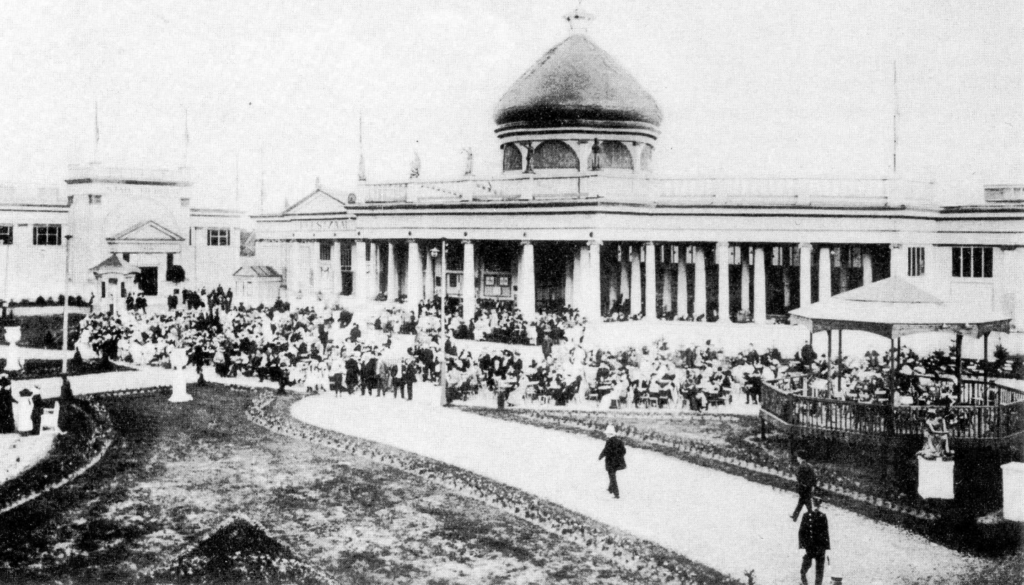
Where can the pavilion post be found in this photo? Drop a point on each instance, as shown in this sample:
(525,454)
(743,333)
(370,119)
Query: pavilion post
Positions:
(984,366)
(829,374)
(959,375)
(840,381)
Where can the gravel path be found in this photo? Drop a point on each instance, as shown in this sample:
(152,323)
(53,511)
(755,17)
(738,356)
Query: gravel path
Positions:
(720,520)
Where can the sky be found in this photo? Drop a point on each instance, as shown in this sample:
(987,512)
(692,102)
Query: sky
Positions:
(274,90)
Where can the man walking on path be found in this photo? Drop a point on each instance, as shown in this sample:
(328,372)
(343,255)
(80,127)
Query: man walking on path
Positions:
(806,480)
(614,455)
(813,537)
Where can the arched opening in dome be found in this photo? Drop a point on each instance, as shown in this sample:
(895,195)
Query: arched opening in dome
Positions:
(646,154)
(615,155)
(512,159)
(555,155)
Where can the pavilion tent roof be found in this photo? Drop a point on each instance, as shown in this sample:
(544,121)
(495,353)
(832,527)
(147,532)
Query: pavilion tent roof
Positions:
(893,308)
(114,265)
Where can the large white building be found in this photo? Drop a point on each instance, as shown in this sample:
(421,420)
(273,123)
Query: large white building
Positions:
(574,217)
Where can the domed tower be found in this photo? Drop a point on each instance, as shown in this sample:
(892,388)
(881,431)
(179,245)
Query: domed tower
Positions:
(577,110)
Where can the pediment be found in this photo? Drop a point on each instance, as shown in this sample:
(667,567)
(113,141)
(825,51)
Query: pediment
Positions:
(318,202)
(147,231)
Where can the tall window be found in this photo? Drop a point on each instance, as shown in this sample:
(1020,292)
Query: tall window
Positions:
(325,251)
(972,261)
(46,235)
(915,261)
(218,237)
(6,235)
(345,265)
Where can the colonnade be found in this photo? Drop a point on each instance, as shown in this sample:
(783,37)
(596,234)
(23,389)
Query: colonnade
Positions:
(597,276)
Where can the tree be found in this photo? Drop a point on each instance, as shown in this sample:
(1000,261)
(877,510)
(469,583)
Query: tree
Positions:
(175,274)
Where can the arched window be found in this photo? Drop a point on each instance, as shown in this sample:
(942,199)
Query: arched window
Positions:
(646,154)
(615,155)
(555,155)
(512,158)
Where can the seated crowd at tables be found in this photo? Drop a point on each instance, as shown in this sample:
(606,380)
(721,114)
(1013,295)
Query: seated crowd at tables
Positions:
(497,321)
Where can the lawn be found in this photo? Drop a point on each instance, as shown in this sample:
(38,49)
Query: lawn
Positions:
(178,472)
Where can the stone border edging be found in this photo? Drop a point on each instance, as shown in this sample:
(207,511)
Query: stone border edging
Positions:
(106,442)
(652,562)
(702,453)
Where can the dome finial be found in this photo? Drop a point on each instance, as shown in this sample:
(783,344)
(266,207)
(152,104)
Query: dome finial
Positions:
(578,19)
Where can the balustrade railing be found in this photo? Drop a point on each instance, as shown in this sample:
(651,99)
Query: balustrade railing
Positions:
(668,191)
(974,422)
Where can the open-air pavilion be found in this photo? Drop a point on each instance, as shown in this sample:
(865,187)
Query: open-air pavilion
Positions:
(989,413)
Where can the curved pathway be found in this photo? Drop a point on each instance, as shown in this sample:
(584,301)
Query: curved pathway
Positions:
(714,518)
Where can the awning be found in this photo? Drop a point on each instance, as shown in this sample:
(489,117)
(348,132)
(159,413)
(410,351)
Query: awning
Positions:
(894,308)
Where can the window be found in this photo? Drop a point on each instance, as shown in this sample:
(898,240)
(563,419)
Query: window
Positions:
(46,235)
(218,237)
(915,261)
(325,251)
(972,261)
(95,199)
(184,201)
(6,235)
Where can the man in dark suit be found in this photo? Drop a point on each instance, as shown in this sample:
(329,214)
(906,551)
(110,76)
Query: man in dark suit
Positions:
(806,480)
(813,538)
(614,455)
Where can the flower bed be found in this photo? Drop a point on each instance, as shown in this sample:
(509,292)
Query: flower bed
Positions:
(87,436)
(652,562)
(753,463)
(240,551)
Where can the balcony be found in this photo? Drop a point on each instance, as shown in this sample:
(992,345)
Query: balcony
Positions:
(767,192)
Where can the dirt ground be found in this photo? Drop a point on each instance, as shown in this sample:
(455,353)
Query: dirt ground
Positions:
(179,470)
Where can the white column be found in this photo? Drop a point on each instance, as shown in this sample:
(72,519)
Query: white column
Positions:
(722,253)
(614,286)
(651,292)
(428,284)
(527,299)
(468,282)
(636,301)
(392,283)
(577,277)
(413,275)
(868,264)
(373,272)
(682,296)
(624,274)
(567,293)
(760,284)
(745,281)
(824,273)
(666,289)
(898,260)
(700,283)
(336,267)
(359,277)
(806,252)
(592,285)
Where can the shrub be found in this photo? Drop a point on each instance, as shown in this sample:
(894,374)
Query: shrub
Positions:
(175,274)
(1001,354)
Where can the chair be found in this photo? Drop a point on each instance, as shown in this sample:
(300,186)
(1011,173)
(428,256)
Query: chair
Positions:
(48,420)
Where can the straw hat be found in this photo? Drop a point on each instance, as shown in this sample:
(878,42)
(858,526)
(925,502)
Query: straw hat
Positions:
(610,431)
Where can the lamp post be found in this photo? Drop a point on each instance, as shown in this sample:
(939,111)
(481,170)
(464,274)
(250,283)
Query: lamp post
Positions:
(444,331)
(67,286)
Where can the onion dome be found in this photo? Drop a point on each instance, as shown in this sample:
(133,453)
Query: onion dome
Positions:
(577,84)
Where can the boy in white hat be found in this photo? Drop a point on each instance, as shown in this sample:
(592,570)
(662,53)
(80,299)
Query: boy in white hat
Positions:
(614,455)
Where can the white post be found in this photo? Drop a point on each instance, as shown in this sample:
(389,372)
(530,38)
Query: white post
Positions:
(824,273)
(760,294)
(806,251)
(868,264)
(429,289)
(413,275)
(745,281)
(651,292)
(392,274)
(722,250)
(468,282)
(682,296)
(593,282)
(359,288)
(635,300)
(700,283)
(336,266)
(527,286)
